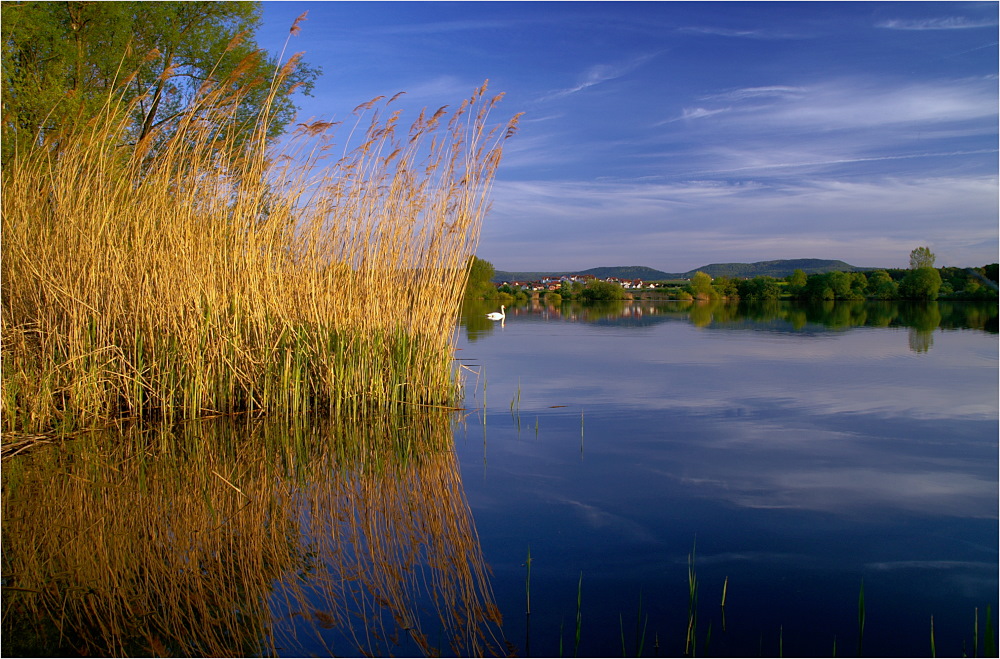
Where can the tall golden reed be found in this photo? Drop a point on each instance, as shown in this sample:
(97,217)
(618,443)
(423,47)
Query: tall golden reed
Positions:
(186,276)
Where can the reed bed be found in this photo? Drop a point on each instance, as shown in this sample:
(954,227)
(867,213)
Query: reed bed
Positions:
(193,274)
(225,538)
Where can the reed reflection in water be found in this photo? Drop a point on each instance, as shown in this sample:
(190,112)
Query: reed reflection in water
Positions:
(245,538)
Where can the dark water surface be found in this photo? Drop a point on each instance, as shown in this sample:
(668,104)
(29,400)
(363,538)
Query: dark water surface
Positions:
(783,454)
(797,452)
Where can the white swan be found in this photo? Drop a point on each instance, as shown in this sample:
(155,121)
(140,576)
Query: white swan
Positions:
(497,316)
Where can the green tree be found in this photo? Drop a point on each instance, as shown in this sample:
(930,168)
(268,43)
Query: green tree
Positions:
(797,280)
(859,285)
(597,289)
(921,284)
(760,288)
(817,288)
(726,286)
(701,285)
(479,284)
(840,283)
(62,61)
(881,286)
(921,257)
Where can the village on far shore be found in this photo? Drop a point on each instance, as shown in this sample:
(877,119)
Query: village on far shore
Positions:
(554,283)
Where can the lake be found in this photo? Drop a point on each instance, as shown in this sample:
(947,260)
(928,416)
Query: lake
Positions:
(794,460)
(794,450)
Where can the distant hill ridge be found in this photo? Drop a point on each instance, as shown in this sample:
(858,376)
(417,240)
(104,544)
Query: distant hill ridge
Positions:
(778,268)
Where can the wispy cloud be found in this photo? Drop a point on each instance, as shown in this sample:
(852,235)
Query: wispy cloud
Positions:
(599,73)
(855,103)
(757,167)
(948,23)
(781,91)
(723,32)
(441,27)
(791,112)
(696,113)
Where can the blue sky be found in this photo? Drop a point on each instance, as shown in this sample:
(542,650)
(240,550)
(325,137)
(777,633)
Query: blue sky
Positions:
(677,134)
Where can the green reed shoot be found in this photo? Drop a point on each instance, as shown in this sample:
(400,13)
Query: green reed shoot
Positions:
(989,642)
(579,615)
(861,617)
(690,643)
(640,634)
(933,648)
(725,587)
(515,403)
(527,581)
(641,623)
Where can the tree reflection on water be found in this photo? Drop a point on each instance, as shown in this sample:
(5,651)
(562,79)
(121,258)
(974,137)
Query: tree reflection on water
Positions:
(922,318)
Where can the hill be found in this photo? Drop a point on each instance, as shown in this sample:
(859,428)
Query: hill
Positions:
(779,268)
(622,272)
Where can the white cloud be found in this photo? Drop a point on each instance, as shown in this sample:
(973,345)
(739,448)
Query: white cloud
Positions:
(947,23)
(858,103)
(854,104)
(698,113)
(599,73)
(758,92)
(724,32)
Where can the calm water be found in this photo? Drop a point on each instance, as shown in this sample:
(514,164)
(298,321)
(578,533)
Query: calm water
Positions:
(797,450)
(786,453)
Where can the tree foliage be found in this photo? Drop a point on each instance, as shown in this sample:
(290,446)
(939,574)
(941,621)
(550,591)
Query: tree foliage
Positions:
(64,61)
(602,290)
(921,283)
(921,257)
(760,288)
(881,286)
(701,286)
(797,280)
(479,282)
(727,286)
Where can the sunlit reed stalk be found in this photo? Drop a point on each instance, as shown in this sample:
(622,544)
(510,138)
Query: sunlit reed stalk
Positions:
(202,278)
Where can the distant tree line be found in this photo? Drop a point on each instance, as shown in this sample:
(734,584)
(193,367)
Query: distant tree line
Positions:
(922,281)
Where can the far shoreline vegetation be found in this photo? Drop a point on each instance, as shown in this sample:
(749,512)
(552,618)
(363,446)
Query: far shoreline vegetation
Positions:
(922,281)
